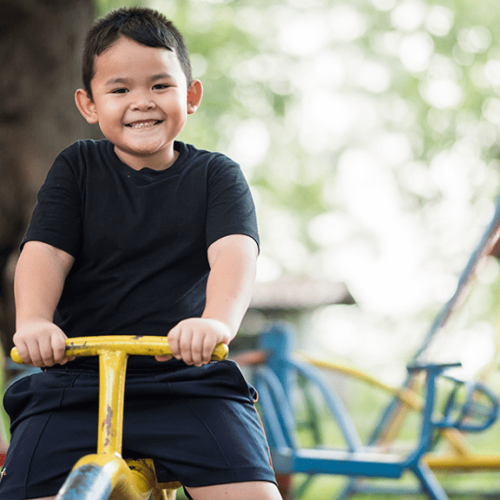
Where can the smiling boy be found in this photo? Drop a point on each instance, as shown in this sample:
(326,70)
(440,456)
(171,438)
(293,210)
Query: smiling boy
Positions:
(141,111)
(138,234)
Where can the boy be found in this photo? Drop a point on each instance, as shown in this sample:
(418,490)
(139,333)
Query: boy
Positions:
(138,234)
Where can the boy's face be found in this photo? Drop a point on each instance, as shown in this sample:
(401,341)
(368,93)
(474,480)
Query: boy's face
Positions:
(141,102)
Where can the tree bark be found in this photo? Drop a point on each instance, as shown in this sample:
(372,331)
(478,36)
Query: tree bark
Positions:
(40,57)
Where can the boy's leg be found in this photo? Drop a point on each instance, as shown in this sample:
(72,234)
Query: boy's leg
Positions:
(257,490)
(253,490)
(196,436)
(54,417)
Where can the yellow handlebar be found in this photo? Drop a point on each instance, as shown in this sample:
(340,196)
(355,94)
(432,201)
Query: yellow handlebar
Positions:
(130,345)
(113,352)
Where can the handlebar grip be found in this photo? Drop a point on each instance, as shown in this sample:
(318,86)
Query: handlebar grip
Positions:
(14,355)
(135,345)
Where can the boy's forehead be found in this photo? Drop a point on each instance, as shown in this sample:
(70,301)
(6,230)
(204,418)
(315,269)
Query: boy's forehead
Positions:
(127,55)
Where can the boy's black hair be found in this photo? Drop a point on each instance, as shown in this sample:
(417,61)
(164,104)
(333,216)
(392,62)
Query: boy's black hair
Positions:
(145,26)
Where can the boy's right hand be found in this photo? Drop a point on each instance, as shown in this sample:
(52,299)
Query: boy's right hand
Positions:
(41,343)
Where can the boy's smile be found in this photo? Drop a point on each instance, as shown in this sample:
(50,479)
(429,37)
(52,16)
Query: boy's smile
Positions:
(141,102)
(144,124)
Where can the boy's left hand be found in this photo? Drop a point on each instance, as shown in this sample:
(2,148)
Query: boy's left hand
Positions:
(194,339)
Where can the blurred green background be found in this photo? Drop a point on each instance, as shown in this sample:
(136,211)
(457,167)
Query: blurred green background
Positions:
(367,129)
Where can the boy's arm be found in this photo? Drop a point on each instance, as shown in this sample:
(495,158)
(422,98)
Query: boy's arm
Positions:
(38,284)
(232,262)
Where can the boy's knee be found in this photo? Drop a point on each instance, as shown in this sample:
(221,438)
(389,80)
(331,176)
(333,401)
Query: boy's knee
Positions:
(251,490)
(44,498)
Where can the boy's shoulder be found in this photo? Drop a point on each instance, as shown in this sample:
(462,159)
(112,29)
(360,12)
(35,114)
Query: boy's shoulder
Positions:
(193,151)
(74,160)
(212,160)
(88,147)
(82,153)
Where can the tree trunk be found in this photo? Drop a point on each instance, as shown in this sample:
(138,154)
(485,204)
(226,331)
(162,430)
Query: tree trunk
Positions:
(40,54)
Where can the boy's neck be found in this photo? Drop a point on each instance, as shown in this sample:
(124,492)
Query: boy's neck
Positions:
(155,162)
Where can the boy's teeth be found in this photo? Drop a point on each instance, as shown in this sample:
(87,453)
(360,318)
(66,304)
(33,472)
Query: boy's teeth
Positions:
(143,124)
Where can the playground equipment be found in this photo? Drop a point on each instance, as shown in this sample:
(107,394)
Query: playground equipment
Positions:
(282,375)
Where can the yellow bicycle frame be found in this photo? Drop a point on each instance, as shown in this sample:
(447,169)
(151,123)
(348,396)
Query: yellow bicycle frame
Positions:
(132,480)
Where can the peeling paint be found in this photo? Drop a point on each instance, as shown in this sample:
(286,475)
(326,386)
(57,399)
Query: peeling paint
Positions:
(107,425)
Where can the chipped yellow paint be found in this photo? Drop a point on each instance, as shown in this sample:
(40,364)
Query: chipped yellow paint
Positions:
(112,371)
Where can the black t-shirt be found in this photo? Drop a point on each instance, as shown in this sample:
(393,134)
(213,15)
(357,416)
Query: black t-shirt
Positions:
(139,238)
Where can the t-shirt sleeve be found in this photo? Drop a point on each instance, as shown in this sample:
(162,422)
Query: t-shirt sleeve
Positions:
(231,209)
(56,219)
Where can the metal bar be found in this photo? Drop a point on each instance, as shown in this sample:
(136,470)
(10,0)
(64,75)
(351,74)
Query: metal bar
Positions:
(134,345)
(112,371)
(88,482)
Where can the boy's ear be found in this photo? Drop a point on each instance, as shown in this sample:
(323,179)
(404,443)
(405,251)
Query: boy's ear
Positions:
(86,106)
(194,95)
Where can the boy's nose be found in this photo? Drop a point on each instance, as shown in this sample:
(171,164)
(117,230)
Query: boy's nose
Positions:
(143,103)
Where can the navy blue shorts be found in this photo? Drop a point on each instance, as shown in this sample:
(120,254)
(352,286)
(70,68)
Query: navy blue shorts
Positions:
(199,425)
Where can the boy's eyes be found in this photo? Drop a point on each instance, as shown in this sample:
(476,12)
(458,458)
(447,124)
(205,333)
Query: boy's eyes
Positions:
(158,86)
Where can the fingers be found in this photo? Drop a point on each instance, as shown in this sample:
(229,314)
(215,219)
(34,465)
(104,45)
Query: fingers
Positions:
(41,344)
(59,349)
(37,353)
(163,358)
(193,341)
(24,353)
(45,356)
